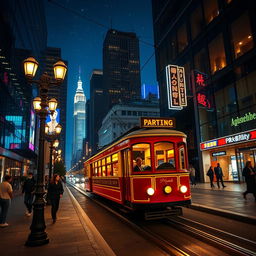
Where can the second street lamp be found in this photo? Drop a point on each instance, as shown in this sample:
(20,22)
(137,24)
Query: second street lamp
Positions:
(38,236)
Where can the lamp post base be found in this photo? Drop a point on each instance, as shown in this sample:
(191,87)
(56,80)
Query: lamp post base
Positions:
(37,239)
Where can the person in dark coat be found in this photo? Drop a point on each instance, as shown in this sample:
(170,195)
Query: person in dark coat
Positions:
(55,191)
(138,167)
(219,174)
(249,175)
(210,174)
(29,189)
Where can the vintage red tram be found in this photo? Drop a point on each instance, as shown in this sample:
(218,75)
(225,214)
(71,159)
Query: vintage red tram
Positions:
(162,180)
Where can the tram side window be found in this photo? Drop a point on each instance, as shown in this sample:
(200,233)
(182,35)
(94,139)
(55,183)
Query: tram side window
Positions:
(109,169)
(103,161)
(141,157)
(182,158)
(115,164)
(164,155)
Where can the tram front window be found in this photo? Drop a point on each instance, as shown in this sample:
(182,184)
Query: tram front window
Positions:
(141,157)
(164,155)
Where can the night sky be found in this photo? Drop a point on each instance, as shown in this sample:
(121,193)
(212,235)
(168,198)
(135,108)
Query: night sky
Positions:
(81,41)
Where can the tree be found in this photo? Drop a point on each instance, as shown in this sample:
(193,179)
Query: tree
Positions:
(59,168)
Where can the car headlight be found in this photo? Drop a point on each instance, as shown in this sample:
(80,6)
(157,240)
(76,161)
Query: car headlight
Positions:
(167,189)
(150,191)
(183,189)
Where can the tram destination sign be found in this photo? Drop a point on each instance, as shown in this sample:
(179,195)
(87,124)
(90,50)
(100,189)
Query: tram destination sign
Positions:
(161,122)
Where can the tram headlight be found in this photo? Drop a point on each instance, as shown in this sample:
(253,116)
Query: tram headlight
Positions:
(83,179)
(150,191)
(167,189)
(183,189)
(77,179)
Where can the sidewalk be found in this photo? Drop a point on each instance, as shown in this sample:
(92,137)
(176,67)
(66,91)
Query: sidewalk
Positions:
(226,202)
(72,234)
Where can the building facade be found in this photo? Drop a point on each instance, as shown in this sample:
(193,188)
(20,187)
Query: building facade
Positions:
(122,118)
(18,40)
(52,55)
(79,122)
(121,67)
(215,42)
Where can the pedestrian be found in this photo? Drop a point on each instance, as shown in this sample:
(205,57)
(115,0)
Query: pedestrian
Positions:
(192,174)
(55,191)
(249,175)
(219,175)
(29,190)
(5,199)
(210,174)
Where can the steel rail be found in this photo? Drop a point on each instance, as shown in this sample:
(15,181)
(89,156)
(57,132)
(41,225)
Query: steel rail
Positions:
(212,238)
(159,241)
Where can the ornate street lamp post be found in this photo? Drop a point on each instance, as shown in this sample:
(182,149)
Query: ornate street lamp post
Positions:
(42,106)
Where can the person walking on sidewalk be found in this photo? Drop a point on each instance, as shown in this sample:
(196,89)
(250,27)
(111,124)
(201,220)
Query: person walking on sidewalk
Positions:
(192,174)
(5,199)
(249,175)
(219,174)
(29,189)
(210,174)
(55,191)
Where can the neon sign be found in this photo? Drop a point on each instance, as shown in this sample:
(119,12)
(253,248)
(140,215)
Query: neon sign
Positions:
(157,122)
(244,119)
(203,100)
(176,87)
(229,140)
(200,79)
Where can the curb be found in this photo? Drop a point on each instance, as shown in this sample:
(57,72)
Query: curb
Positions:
(224,213)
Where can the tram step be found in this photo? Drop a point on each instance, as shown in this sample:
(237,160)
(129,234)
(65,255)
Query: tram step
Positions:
(163,214)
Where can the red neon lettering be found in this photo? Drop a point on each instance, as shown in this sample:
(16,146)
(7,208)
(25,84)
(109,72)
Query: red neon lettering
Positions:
(200,80)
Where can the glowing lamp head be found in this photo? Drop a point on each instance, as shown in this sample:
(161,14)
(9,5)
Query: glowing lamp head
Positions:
(167,189)
(60,70)
(59,151)
(47,129)
(183,189)
(37,103)
(56,143)
(58,129)
(52,104)
(30,67)
(150,191)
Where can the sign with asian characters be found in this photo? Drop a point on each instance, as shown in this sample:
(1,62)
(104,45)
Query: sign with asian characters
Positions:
(176,87)
(148,122)
(200,79)
(232,139)
(203,100)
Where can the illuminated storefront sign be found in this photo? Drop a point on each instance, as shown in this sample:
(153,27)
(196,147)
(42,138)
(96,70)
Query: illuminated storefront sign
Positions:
(32,130)
(157,122)
(220,153)
(229,140)
(244,119)
(200,79)
(176,87)
(203,100)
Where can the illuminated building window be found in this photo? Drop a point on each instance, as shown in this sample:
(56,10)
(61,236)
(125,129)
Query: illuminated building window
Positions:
(196,21)
(217,54)
(211,10)
(241,35)
(182,37)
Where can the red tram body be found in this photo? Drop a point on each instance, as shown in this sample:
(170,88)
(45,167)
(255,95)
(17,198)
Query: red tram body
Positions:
(162,182)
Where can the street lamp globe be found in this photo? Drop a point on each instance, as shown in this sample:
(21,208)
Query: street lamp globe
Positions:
(47,128)
(56,143)
(30,67)
(52,104)
(60,70)
(59,151)
(58,129)
(37,103)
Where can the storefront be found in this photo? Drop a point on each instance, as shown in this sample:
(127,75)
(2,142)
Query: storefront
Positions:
(231,152)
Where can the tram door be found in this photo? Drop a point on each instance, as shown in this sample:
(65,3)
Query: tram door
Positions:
(126,175)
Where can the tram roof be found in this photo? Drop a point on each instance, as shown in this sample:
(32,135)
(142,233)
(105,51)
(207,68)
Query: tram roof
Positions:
(141,133)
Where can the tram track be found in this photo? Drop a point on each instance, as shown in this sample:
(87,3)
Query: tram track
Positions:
(209,235)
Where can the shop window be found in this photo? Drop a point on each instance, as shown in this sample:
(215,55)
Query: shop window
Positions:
(196,21)
(241,35)
(217,54)
(164,155)
(225,101)
(201,61)
(211,10)
(141,151)
(182,37)
(246,91)
(208,131)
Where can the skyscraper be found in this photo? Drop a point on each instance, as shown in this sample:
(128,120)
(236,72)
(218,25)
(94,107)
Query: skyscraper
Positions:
(52,55)
(121,67)
(79,121)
